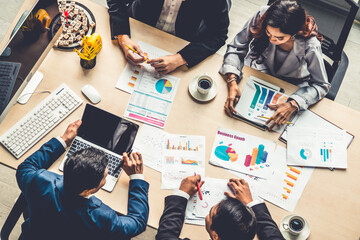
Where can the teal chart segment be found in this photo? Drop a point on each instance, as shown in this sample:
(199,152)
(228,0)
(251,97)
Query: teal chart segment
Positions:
(163,86)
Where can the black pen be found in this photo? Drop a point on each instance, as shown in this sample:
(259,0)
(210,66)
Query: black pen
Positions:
(121,164)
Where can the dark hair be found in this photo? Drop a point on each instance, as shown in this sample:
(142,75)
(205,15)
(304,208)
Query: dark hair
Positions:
(84,170)
(234,220)
(289,17)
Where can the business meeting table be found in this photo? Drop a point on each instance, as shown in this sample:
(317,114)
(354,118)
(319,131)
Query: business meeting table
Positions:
(330,200)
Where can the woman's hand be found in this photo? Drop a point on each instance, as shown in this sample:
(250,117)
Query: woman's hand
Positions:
(130,55)
(233,98)
(168,63)
(283,112)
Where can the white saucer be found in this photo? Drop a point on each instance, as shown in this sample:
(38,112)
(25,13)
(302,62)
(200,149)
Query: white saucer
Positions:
(202,97)
(288,236)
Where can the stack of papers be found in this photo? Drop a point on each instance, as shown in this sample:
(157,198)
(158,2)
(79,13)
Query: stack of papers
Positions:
(213,192)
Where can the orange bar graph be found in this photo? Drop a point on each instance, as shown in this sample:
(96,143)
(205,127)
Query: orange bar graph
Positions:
(130,84)
(133,78)
(284,196)
(289,183)
(291,176)
(295,170)
(254,156)
(287,190)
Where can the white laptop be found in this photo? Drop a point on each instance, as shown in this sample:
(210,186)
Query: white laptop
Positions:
(107,132)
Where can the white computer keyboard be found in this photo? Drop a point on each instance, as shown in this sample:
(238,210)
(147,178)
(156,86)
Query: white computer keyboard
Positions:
(41,120)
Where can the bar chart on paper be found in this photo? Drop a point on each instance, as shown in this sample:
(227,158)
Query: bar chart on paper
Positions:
(255,98)
(183,144)
(242,153)
(262,97)
(287,183)
(316,147)
(183,156)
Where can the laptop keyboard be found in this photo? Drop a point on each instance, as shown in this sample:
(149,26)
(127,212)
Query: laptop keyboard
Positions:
(113,160)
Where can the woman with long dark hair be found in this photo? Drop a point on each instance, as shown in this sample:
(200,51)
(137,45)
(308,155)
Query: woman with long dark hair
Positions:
(283,41)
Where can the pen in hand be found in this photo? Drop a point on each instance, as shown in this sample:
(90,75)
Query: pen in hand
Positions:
(198,187)
(121,164)
(132,49)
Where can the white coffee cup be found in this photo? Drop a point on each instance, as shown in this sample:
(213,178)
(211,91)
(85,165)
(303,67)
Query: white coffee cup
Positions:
(295,225)
(204,84)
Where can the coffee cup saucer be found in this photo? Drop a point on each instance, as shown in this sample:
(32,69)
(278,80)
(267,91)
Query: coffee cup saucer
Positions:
(288,236)
(202,97)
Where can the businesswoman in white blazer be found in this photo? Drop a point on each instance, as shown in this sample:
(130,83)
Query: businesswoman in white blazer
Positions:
(283,41)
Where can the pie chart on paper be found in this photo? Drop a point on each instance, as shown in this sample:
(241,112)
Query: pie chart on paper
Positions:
(163,86)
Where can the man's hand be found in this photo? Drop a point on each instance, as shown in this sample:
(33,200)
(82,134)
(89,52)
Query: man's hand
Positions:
(233,98)
(240,190)
(71,132)
(283,112)
(188,184)
(133,164)
(130,55)
(168,63)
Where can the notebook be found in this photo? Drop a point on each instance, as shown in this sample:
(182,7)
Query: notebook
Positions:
(107,132)
(254,100)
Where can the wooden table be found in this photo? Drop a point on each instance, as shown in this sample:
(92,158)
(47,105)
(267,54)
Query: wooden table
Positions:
(330,200)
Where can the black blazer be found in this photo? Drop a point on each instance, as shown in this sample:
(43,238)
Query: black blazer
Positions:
(172,220)
(204,23)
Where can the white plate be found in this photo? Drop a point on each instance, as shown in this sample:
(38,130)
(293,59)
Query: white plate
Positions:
(288,236)
(202,97)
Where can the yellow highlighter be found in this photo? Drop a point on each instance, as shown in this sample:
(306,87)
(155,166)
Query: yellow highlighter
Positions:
(147,59)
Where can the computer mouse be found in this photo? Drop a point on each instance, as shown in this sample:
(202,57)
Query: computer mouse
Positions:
(91,93)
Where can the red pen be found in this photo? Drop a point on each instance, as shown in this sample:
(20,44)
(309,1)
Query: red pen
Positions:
(198,186)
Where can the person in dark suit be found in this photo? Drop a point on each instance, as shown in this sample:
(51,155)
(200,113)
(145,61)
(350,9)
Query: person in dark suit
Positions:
(204,23)
(63,207)
(237,217)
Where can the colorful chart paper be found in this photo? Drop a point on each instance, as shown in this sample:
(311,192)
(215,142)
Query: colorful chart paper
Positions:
(254,101)
(285,186)
(181,160)
(163,86)
(133,74)
(317,147)
(243,153)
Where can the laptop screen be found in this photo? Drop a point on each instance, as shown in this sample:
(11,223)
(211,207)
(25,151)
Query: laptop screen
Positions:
(107,130)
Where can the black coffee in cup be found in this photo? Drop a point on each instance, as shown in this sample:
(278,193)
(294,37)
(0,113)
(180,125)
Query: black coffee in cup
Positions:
(296,225)
(204,83)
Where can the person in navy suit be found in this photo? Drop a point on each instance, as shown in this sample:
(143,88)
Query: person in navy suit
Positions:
(63,207)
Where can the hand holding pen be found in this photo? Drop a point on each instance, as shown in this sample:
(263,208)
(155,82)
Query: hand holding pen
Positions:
(191,185)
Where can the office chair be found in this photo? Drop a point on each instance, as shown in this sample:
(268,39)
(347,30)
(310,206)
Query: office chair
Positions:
(334,19)
(20,207)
